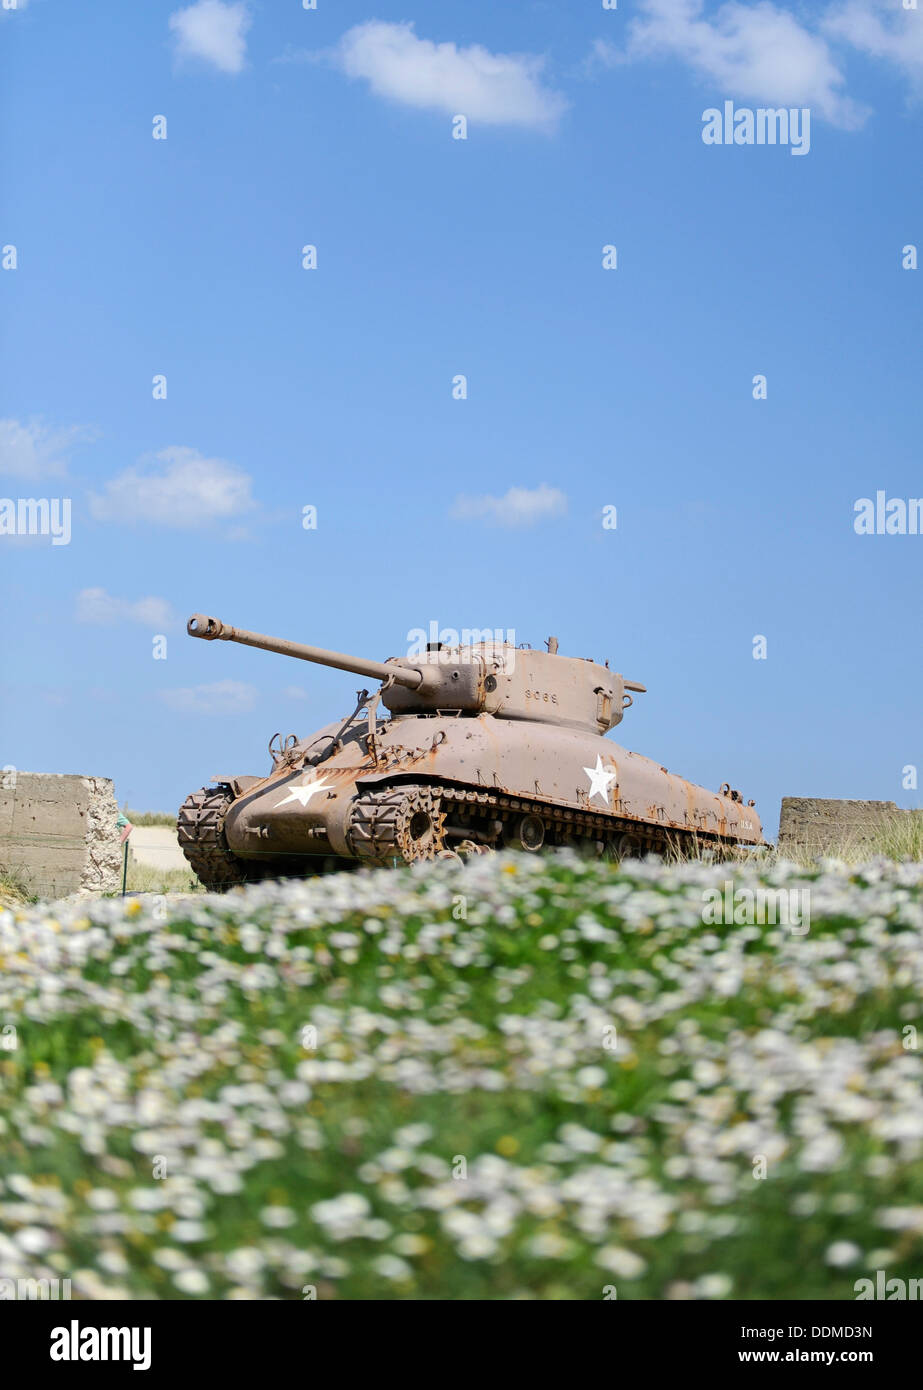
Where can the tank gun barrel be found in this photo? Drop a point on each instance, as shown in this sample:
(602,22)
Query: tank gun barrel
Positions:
(200,625)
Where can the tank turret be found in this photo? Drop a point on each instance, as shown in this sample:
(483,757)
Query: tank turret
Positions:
(494,678)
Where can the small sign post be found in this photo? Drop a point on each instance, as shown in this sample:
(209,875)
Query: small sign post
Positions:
(125,829)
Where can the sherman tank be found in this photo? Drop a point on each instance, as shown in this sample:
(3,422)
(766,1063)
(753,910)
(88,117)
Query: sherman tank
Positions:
(460,750)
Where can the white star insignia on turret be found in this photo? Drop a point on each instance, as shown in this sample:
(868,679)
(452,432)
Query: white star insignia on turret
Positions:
(304,793)
(599,780)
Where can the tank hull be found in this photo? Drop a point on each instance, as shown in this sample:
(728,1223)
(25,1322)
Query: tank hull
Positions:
(563,776)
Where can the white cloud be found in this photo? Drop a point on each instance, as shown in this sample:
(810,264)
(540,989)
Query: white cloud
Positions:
(34,450)
(521,506)
(295,692)
(178,488)
(493,88)
(96,606)
(222,697)
(214,32)
(755,52)
(881,30)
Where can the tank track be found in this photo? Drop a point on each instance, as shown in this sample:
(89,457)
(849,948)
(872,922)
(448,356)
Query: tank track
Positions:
(200,832)
(375,839)
(407,822)
(384,823)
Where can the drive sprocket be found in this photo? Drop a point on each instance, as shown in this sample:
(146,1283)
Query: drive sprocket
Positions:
(402,824)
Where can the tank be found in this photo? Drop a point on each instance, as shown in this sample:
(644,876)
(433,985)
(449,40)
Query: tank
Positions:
(459,750)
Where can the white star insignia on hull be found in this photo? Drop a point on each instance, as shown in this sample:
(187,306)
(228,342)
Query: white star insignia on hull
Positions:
(304,794)
(599,780)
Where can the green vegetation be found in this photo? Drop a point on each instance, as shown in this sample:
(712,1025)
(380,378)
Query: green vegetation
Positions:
(144,878)
(898,838)
(13,891)
(901,838)
(523,1077)
(151,817)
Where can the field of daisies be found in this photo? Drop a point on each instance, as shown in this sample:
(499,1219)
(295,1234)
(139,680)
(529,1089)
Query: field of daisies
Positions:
(515,1078)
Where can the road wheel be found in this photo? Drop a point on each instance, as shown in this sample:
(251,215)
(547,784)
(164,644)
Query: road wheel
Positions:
(524,832)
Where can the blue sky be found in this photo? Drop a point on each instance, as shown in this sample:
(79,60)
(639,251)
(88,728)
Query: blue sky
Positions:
(436,257)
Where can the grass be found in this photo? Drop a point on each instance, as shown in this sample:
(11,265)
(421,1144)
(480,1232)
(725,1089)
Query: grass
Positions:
(145,878)
(899,838)
(142,878)
(523,1077)
(13,892)
(151,817)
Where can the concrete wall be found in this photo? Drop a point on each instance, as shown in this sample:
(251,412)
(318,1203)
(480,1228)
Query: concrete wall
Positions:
(820,826)
(58,833)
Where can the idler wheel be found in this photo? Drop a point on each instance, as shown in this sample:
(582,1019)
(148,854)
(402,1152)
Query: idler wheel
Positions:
(525,832)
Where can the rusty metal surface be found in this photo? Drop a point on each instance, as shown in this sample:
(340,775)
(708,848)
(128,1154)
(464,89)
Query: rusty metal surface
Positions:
(485,752)
(521,730)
